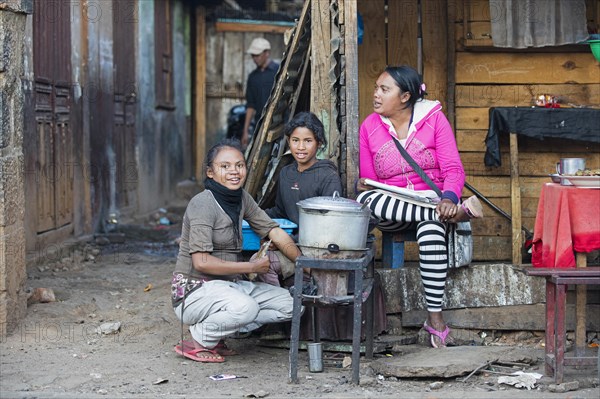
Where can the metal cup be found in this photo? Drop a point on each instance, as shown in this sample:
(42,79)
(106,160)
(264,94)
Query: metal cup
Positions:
(569,166)
(315,357)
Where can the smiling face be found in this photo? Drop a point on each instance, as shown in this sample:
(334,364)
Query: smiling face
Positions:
(387,98)
(228,168)
(303,146)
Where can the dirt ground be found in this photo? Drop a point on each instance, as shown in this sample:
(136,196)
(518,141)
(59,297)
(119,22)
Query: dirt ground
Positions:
(60,350)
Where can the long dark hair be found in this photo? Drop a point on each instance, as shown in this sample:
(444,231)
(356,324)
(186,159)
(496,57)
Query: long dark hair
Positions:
(408,80)
(309,121)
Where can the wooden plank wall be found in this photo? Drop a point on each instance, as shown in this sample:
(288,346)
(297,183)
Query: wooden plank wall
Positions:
(371,53)
(227,70)
(487,77)
(482,77)
(400,47)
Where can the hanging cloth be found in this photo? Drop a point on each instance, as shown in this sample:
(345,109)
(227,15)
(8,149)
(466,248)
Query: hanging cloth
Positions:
(537,23)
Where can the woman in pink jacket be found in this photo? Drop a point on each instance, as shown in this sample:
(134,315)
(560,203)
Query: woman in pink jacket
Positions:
(402,114)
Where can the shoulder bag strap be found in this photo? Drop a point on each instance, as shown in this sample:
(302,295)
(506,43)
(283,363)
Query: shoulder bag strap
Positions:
(417,168)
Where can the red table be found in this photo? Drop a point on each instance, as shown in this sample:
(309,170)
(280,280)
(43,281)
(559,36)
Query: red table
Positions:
(557,280)
(567,222)
(567,226)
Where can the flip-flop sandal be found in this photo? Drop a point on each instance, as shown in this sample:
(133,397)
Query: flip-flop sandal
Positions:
(221,348)
(192,353)
(442,335)
(472,207)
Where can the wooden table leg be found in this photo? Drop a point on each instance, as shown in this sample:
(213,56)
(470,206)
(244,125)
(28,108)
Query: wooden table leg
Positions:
(515,201)
(580,310)
(550,362)
(560,337)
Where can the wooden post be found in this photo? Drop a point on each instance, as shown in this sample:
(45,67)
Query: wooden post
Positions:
(320,82)
(352,98)
(580,310)
(515,200)
(199,128)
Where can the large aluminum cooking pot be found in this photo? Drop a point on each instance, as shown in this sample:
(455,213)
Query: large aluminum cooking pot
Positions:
(333,223)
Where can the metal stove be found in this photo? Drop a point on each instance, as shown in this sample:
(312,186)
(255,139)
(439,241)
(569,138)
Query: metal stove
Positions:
(361,263)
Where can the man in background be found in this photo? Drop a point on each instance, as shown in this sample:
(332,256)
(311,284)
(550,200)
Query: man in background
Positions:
(260,83)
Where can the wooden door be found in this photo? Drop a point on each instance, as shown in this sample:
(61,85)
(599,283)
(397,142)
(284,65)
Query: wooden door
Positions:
(125,94)
(52,106)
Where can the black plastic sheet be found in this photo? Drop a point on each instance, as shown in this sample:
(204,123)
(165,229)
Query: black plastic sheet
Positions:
(581,124)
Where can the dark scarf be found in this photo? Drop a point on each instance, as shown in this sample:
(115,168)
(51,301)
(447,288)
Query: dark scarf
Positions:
(229,200)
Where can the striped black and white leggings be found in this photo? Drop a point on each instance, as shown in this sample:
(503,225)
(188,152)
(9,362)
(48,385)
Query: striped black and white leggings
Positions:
(396,215)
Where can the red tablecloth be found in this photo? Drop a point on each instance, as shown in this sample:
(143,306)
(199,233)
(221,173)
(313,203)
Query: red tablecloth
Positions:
(567,221)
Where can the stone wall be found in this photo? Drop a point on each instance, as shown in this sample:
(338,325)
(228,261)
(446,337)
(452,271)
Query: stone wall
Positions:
(478,285)
(13,301)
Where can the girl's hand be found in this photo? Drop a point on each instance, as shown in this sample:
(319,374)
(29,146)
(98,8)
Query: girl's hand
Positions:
(446,210)
(260,265)
(362,186)
(272,246)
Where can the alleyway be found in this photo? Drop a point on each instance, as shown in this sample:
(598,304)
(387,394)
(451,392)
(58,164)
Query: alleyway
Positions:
(66,349)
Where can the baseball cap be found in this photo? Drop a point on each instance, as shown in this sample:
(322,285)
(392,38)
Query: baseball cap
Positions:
(258,45)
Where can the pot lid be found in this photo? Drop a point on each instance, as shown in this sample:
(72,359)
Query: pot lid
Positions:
(333,203)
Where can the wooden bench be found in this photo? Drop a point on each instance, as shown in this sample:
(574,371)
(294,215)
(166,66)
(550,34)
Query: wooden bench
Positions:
(557,281)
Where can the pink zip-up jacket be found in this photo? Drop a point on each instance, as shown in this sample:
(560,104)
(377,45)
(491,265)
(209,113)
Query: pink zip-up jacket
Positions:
(430,142)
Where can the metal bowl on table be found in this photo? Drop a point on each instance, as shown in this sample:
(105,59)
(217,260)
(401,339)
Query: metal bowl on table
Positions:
(555,177)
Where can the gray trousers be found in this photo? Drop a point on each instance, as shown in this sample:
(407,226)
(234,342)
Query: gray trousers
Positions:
(220,308)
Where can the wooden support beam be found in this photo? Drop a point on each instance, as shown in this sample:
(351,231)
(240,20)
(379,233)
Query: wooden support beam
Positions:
(580,310)
(252,26)
(515,195)
(352,98)
(320,49)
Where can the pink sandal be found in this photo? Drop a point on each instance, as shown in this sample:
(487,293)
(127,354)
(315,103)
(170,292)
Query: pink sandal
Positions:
(221,348)
(472,207)
(442,335)
(202,355)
